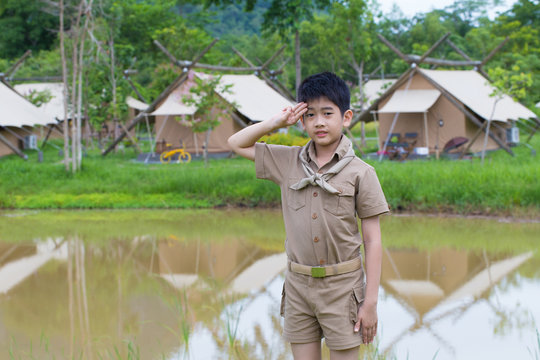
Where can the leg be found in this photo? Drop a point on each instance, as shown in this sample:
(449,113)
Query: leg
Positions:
(309,351)
(348,354)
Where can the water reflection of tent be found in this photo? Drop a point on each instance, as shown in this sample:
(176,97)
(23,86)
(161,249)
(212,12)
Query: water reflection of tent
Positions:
(426,281)
(244,268)
(16,268)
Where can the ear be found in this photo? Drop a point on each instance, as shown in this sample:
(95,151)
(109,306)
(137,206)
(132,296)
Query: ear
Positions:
(347,118)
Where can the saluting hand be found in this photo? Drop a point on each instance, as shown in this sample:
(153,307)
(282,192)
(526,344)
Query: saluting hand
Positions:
(290,115)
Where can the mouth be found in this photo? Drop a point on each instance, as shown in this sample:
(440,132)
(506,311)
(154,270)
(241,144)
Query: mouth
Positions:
(321,133)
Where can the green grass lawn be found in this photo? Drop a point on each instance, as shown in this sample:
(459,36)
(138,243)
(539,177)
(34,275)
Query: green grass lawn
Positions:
(503,185)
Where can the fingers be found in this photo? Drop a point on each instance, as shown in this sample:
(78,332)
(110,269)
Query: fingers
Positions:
(369,333)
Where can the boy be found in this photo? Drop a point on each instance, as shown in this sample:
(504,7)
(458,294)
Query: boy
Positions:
(323,186)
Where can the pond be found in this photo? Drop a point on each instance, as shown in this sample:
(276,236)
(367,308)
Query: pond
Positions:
(207,285)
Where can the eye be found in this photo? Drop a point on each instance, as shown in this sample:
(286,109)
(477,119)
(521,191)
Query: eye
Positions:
(328,113)
(309,115)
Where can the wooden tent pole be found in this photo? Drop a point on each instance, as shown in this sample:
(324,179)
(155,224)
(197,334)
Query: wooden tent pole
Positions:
(44,142)
(268,81)
(350,134)
(12,70)
(394,86)
(393,48)
(433,47)
(467,113)
(426,130)
(534,132)
(177,82)
(476,135)
(13,147)
(133,141)
(494,51)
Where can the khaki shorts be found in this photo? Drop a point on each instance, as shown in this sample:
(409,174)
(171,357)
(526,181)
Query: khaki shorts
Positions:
(314,308)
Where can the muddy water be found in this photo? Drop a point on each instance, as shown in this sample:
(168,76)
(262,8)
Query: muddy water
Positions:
(207,285)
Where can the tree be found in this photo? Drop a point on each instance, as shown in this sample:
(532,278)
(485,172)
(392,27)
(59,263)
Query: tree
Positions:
(211,107)
(25,26)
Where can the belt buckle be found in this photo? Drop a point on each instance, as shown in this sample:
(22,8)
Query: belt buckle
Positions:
(318,272)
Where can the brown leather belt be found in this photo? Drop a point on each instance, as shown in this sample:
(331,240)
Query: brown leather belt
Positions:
(329,270)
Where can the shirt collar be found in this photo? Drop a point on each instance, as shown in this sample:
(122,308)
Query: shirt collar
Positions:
(340,152)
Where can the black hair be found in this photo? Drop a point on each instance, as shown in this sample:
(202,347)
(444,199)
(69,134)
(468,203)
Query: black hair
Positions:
(325,84)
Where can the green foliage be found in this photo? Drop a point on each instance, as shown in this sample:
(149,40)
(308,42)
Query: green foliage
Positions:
(279,138)
(39,98)
(25,26)
(211,107)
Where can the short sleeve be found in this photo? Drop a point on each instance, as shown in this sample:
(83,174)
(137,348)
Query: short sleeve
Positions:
(370,200)
(273,161)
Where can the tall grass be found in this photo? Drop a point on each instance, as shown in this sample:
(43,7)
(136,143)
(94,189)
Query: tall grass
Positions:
(503,184)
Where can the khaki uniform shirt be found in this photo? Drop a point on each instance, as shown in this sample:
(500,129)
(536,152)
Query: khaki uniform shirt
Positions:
(321,228)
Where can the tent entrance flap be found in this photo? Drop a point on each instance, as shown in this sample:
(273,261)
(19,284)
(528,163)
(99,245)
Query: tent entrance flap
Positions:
(411,101)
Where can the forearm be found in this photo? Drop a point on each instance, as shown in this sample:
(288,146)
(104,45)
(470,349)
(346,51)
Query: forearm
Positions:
(373,258)
(243,142)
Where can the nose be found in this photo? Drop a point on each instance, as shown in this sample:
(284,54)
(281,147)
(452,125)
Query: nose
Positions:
(319,120)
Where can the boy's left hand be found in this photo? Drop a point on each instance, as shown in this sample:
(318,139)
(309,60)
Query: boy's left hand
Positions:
(366,322)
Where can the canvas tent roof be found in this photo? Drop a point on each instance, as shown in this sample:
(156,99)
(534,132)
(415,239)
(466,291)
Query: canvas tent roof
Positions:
(373,89)
(17,111)
(411,101)
(136,104)
(253,98)
(174,104)
(474,91)
(54,109)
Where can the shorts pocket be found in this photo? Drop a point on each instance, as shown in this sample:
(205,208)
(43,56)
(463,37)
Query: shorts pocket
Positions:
(282,305)
(357,298)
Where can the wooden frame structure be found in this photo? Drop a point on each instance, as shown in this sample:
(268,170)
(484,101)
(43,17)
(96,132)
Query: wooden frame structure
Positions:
(269,77)
(414,61)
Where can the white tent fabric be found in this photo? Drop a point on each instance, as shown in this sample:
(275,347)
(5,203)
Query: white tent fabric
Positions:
(136,104)
(174,105)
(411,101)
(252,97)
(16,111)
(52,110)
(373,89)
(474,91)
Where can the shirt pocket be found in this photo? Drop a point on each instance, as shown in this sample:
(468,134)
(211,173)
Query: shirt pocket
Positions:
(296,199)
(342,203)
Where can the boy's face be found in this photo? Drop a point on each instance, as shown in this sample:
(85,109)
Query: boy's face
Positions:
(324,123)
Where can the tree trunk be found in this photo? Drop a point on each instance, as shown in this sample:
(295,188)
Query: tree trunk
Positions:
(206,142)
(297,59)
(65,86)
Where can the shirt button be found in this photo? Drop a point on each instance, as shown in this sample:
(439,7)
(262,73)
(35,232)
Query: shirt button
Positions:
(315,194)
(321,262)
(316,239)
(314,216)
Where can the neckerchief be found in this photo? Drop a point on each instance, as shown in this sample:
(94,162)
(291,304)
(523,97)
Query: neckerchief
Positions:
(320,180)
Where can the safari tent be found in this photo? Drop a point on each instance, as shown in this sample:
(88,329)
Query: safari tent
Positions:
(17,121)
(53,110)
(431,106)
(250,100)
